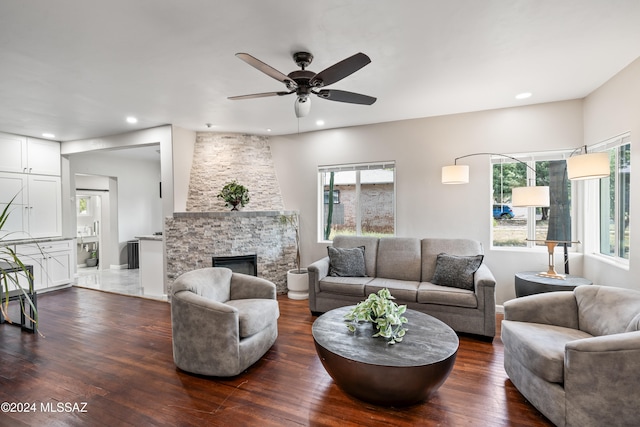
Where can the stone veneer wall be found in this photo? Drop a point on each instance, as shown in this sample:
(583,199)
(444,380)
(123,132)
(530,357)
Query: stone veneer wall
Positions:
(193,238)
(221,158)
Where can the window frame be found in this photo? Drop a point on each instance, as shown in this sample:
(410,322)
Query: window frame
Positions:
(530,159)
(348,167)
(594,193)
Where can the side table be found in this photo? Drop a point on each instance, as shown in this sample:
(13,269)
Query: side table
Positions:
(529,283)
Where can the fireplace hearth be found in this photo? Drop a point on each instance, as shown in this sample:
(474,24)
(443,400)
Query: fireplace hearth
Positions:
(245,264)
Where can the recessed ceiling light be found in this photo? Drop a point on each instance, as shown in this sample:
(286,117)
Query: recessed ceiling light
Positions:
(320,123)
(131,119)
(48,135)
(268,129)
(523,95)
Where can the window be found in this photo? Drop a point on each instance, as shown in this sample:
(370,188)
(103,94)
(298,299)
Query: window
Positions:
(357,199)
(84,205)
(614,199)
(527,227)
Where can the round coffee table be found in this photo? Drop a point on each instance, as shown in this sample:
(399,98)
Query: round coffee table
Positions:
(374,371)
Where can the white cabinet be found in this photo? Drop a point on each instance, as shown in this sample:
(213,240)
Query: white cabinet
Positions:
(13,153)
(36,210)
(52,262)
(43,157)
(29,155)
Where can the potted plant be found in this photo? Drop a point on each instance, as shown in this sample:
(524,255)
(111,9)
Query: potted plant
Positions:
(386,316)
(92,261)
(298,278)
(234,194)
(11,270)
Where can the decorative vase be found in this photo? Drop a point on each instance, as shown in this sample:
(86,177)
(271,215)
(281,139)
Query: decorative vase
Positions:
(298,284)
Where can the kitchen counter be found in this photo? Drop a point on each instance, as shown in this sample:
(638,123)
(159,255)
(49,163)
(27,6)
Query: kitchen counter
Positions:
(151,265)
(32,241)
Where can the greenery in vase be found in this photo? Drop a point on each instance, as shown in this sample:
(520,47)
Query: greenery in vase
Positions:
(383,313)
(234,194)
(10,281)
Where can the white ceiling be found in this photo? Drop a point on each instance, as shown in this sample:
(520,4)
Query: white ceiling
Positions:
(78,68)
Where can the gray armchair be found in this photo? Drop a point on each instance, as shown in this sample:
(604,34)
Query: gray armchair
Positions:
(575,355)
(222,322)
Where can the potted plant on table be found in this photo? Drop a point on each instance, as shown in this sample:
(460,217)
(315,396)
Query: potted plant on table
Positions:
(298,278)
(386,316)
(234,194)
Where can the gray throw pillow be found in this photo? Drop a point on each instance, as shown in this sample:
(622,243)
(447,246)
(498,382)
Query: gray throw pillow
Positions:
(346,262)
(456,271)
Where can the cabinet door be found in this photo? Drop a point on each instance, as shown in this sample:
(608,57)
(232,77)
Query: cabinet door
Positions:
(43,157)
(45,206)
(36,260)
(13,186)
(58,268)
(13,153)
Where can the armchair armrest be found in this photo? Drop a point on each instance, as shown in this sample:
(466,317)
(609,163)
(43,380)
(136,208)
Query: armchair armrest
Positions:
(483,278)
(601,379)
(551,308)
(244,286)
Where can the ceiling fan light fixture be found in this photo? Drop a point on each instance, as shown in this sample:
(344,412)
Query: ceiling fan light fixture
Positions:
(302,106)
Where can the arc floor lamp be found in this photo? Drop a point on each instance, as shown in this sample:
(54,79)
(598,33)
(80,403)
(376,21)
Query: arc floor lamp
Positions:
(578,167)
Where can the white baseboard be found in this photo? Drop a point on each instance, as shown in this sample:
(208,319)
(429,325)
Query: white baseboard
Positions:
(119,267)
(499,309)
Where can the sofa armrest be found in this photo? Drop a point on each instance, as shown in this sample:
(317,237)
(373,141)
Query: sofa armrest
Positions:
(483,278)
(244,286)
(550,308)
(317,271)
(601,379)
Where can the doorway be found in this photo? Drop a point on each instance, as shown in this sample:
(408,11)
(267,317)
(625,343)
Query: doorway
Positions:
(93,223)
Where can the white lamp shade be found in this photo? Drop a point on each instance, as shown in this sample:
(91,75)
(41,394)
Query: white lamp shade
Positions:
(530,196)
(302,106)
(455,174)
(588,166)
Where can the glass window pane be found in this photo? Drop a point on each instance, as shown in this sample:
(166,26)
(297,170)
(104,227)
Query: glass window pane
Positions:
(358,202)
(624,180)
(509,223)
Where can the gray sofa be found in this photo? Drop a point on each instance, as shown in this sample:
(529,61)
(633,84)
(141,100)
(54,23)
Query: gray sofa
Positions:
(222,322)
(575,355)
(406,267)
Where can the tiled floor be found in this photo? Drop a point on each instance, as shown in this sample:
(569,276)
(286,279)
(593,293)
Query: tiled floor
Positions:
(119,281)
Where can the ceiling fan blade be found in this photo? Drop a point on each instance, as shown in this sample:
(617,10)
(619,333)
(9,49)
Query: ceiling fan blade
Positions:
(259,95)
(344,96)
(340,70)
(267,69)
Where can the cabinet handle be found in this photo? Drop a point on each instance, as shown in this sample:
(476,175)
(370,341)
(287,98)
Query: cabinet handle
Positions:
(30,169)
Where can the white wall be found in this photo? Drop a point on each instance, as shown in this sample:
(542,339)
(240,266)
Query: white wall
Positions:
(612,109)
(425,207)
(139,203)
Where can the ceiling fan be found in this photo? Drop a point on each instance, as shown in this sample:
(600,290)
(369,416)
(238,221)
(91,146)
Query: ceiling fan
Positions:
(304,82)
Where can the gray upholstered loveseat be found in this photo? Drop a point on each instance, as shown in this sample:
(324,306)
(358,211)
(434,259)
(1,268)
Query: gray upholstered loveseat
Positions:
(575,355)
(406,266)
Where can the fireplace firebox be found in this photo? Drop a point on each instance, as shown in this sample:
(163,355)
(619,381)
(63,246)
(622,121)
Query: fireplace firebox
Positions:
(245,264)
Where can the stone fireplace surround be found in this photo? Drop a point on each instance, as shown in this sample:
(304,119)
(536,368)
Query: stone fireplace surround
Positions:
(209,229)
(193,238)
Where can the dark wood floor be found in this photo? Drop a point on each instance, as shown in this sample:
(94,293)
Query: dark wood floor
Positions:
(113,353)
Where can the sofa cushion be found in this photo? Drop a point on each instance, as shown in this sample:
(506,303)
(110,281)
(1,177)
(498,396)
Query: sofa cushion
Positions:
(540,348)
(344,285)
(456,271)
(432,247)
(255,314)
(398,258)
(402,290)
(346,262)
(429,293)
(604,310)
(370,249)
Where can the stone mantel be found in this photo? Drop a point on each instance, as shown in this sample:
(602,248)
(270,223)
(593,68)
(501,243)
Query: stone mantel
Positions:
(238,214)
(193,238)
